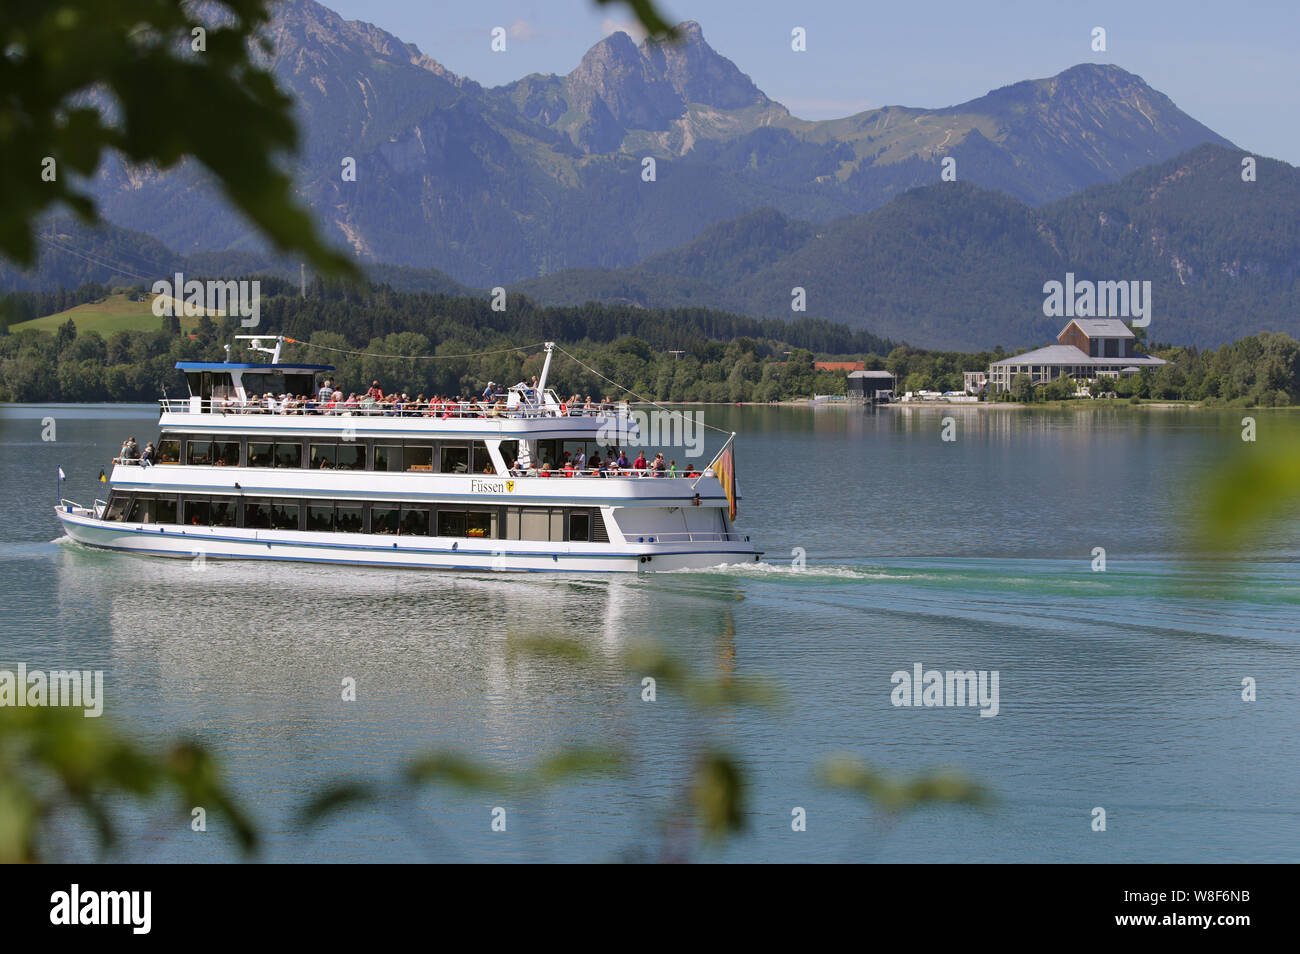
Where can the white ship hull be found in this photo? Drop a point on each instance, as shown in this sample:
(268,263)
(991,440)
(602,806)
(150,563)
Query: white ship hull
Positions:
(423,552)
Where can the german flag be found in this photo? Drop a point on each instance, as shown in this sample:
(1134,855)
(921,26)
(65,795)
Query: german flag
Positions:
(724,468)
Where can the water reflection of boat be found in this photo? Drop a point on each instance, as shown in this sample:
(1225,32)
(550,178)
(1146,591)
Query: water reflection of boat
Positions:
(286,631)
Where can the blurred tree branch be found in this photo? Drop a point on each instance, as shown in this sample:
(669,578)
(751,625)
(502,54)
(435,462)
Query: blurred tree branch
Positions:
(79,78)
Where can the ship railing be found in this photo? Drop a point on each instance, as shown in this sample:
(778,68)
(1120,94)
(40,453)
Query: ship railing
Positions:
(587,473)
(71,506)
(618,473)
(692,536)
(439,410)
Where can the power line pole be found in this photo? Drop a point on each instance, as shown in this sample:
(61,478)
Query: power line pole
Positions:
(302,267)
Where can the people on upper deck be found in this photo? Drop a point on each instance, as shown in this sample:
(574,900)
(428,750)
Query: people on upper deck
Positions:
(376,393)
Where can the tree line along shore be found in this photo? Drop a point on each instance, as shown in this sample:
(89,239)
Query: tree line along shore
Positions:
(687,355)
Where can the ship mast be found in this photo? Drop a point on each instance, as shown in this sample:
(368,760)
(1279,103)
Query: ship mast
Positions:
(257,345)
(546,369)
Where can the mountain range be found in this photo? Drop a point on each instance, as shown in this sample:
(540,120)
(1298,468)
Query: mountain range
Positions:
(544,174)
(954,266)
(538,185)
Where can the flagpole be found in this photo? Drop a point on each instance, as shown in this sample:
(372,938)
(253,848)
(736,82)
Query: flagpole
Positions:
(721,450)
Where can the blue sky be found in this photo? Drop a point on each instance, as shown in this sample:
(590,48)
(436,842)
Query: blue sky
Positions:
(1230,65)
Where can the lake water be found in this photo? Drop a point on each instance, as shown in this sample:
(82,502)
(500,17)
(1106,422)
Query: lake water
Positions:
(1118,689)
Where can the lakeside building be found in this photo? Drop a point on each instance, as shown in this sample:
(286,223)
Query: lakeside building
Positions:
(1086,348)
(870,386)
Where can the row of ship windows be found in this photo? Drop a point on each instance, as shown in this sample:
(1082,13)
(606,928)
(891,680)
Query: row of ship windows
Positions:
(397,518)
(450,458)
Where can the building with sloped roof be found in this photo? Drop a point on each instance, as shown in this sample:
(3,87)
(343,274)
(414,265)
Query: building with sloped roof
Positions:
(1086,348)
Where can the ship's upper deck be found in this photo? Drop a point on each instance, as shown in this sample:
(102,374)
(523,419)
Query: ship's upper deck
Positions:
(283,398)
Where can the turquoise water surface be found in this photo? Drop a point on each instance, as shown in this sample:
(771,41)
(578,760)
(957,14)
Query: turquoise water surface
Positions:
(885,547)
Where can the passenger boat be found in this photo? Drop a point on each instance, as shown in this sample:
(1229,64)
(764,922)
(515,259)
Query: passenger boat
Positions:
(454,486)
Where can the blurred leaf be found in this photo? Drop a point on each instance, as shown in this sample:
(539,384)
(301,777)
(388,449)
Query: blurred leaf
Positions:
(1257,483)
(54,758)
(80,79)
(579,761)
(895,794)
(718,793)
(333,799)
(648,15)
(456,769)
(735,691)
(556,647)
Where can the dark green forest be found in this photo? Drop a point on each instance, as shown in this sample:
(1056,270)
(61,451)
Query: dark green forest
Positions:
(685,354)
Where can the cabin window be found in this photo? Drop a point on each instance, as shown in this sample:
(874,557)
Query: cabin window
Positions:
(288,455)
(198,452)
(418,457)
(453,459)
(415,520)
(548,452)
(284,514)
(257,514)
(324,516)
(388,457)
(384,518)
(198,512)
(165,510)
(222,511)
(116,506)
(349,519)
(323,456)
(351,456)
(509,451)
(320,517)
(225,453)
(467,523)
(149,509)
(169,452)
(580,526)
(264,454)
(482,459)
(451,523)
(535,523)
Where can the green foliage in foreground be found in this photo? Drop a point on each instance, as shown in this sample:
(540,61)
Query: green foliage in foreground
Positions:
(148,80)
(55,762)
